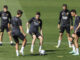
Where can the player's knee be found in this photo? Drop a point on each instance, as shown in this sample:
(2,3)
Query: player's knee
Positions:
(34,37)
(73,35)
(40,37)
(61,35)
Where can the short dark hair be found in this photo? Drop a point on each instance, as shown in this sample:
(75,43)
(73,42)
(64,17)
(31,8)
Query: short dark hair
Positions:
(73,10)
(65,5)
(38,13)
(5,6)
(19,12)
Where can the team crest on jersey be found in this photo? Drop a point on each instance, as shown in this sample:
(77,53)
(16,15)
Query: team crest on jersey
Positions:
(39,22)
(67,13)
(7,14)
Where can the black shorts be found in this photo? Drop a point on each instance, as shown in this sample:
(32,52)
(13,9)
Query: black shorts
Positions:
(37,34)
(67,28)
(4,27)
(78,34)
(19,36)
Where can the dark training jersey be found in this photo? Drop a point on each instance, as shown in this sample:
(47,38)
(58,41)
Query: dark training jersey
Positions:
(77,21)
(5,17)
(15,23)
(34,25)
(65,18)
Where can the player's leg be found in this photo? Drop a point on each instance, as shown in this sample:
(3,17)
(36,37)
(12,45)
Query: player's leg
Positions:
(17,48)
(1,38)
(68,35)
(22,37)
(76,45)
(10,37)
(72,43)
(9,33)
(17,45)
(41,43)
(60,36)
(33,42)
(59,40)
(1,35)
(23,45)
(69,41)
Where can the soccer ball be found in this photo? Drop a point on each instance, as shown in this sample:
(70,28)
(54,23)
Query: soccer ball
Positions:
(42,52)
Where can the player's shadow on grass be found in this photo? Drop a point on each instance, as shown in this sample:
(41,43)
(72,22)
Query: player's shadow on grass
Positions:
(35,55)
(50,51)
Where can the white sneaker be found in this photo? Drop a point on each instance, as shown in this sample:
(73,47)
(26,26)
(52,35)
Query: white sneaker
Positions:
(76,54)
(72,52)
(31,51)
(22,52)
(17,54)
(57,46)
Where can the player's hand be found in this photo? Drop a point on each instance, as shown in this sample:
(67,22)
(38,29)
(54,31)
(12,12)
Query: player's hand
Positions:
(58,26)
(75,31)
(71,28)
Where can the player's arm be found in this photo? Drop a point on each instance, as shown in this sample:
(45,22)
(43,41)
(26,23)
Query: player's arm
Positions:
(60,16)
(10,17)
(77,28)
(71,20)
(27,29)
(21,28)
(41,31)
(27,25)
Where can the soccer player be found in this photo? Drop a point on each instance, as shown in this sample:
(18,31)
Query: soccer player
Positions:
(65,23)
(17,32)
(5,23)
(35,24)
(76,34)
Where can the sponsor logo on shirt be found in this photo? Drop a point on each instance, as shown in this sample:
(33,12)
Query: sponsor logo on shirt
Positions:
(65,17)
(5,16)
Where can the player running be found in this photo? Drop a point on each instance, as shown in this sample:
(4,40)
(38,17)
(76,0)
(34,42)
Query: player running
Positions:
(76,34)
(65,23)
(17,32)
(5,23)
(35,24)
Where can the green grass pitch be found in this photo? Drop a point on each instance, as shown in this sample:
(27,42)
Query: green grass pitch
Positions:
(49,14)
